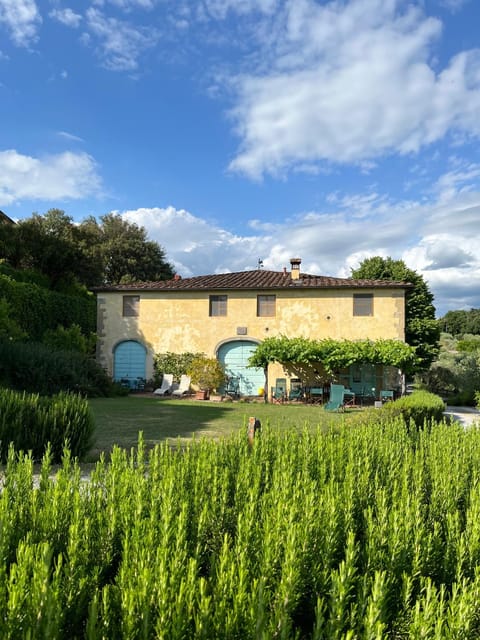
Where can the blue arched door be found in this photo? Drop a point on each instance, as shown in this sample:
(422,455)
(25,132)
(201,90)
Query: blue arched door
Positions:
(129,361)
(234,356)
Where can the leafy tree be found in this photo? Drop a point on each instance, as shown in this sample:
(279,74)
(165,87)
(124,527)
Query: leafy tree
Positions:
(422,330)
(50,246)
(90,253)
(126,253)
(461,322)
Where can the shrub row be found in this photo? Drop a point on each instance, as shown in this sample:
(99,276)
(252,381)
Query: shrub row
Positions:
(32,423)
(36,309)
(34,368)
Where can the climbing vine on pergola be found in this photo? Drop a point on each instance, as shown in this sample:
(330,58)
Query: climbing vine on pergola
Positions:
(334,354)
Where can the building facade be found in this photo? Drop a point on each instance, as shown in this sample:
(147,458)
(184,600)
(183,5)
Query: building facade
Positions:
(227,315)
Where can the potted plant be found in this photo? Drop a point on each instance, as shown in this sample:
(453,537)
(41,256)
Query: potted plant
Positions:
(207,374)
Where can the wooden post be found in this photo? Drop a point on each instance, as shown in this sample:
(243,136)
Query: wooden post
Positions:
(254,425)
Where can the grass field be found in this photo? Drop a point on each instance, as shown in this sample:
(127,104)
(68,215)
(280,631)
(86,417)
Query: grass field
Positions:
(119,420)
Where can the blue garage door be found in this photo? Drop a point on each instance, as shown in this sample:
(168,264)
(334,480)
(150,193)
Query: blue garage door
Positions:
(129,361)
(234,356)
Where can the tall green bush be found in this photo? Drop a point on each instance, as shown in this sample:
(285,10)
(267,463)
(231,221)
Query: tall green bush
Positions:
(30,422)
(69,339)
(176,363)
(421,407)
(37,309)
(35,368)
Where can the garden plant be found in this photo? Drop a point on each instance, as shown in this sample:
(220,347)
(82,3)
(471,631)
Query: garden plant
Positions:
(370,531)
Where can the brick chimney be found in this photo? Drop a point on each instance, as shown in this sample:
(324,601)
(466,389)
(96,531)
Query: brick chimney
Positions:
(295,271)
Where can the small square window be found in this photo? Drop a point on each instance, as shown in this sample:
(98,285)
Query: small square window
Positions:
(218,306)
(363,304)
(266,306)
(131,306)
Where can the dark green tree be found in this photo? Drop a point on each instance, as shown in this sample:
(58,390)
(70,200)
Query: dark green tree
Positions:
(88,254)
(50,246)
(126,253)
(461,322)
(422,330)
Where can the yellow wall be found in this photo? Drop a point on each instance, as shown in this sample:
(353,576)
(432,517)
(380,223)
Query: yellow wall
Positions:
(179,321)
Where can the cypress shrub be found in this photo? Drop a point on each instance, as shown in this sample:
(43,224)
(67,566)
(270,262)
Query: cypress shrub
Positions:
(31,422)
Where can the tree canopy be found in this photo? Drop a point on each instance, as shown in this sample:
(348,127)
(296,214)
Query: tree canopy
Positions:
(461,322)
(90,253)
(422,330)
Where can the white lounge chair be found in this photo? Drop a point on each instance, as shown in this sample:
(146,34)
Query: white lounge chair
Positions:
(166,385)
(183,387)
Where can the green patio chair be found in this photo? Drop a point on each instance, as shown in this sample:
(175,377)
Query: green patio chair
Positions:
(316,395)
(296,390)
(279,391)
(336,398)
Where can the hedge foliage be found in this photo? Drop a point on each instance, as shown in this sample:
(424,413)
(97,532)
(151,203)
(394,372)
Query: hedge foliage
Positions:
(37,309)
(33,423)
(420,408)
(175,363)
(34,368)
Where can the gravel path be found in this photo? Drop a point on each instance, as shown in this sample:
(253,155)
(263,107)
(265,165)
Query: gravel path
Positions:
(465,415)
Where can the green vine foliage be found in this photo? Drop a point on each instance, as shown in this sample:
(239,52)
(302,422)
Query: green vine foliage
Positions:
(334,354)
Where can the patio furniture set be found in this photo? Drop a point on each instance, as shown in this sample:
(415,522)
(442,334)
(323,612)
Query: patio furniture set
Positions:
(332,396)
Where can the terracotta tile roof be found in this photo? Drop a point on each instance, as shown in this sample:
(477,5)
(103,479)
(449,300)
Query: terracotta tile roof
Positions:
(258,279)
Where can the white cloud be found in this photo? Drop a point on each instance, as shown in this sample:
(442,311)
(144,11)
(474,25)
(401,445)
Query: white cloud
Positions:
(22,19)
(121,43)
(195,246)
(62,176)
(460,180)
(128,4)
(219,9)
(349,83)
(69,136)
(67,17)
(333,243)
(453,5)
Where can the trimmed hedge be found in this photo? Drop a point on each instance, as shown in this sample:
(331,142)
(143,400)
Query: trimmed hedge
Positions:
(421,407)
(33,423)
(33,367)
(37,309)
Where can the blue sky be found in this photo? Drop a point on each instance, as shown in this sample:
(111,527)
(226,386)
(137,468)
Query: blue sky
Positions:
(234,130)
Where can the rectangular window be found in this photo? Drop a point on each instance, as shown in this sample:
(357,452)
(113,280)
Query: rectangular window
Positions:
(363,304)
(218,306)
(266,306)
(131,306)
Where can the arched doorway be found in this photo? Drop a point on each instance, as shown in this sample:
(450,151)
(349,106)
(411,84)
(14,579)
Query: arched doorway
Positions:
(234,356)
(129,360)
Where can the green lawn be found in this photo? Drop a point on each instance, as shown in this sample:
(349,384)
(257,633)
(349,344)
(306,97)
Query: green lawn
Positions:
(119,420)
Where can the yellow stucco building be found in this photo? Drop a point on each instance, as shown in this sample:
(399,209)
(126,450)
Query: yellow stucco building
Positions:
(227,315)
